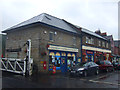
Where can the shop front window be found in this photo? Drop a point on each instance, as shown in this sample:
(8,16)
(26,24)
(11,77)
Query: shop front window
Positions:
(57,61)
(89,57)
(70,60)
(73,55)
(92,58)
(63,54)
(51,60)
(54,60)
(104,57)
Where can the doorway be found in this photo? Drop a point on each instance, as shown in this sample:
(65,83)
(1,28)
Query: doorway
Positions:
(63,64)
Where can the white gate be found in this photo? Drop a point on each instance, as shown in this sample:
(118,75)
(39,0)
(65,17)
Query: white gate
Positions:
(13,65)
(23,67)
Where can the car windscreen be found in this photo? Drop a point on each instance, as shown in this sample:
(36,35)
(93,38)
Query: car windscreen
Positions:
(108,63)
(80,64)
(102,62)
(116,63)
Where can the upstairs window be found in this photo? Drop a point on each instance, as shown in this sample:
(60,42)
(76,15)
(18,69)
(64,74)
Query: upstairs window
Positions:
(106,45)
(92,41)
(51,36)
(103,44)
(89,40)
(74,40)
(86,39)
(99,43)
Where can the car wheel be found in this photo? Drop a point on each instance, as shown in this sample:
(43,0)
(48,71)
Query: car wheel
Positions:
(85,73)
(97,72)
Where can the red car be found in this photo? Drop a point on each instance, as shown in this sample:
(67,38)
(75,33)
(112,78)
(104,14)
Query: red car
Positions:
(105,65)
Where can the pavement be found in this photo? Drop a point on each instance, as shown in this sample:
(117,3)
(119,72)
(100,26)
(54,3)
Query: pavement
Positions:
(103,80)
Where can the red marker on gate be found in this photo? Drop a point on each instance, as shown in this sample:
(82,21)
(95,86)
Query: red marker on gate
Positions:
(44,65)
(54,69)
(2,56)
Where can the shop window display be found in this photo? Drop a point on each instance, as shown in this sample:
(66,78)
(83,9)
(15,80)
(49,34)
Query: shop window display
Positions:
(57,61)
(54,60)
(51,61)
(92,58)
(70,62)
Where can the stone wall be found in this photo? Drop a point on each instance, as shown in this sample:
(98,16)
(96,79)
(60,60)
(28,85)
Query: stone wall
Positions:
(39,36)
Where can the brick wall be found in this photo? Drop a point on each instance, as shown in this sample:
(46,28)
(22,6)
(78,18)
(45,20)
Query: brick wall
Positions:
(95,42)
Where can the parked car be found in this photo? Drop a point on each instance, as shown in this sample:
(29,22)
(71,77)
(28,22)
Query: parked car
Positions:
(84,69)
(116,65)
(105,65)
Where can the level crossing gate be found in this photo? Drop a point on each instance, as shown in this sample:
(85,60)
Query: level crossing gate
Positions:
(20,66)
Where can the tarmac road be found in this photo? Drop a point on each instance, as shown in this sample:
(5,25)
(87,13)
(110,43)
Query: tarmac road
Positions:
(103,80)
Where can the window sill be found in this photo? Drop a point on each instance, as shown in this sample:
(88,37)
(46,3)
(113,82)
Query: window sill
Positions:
(51,40)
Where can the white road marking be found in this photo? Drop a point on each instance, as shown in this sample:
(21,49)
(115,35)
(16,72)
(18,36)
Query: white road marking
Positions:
(104,82)
(100,77)
(83,79)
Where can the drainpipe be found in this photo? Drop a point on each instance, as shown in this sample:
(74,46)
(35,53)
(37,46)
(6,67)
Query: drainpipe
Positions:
(81,44)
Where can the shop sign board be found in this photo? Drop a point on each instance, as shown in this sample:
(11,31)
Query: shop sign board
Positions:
(61,48)
(96,49)
(89,52)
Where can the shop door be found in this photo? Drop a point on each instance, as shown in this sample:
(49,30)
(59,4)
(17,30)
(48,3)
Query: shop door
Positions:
(89,57)
(63,64)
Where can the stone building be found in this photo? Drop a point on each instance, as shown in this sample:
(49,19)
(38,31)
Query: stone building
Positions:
(54,42)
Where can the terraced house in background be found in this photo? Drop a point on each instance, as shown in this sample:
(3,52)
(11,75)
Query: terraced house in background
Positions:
(115,47)
(94,46)
(117,50)
(56,42)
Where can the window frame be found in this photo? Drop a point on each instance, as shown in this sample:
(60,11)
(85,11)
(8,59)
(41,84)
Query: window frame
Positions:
(103,44)
(99,43)
(92,41)
(74,40)
(107,45)
(87,39)
(51,33)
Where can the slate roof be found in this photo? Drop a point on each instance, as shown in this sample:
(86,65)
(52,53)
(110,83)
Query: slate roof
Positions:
(55,22)
(47,19)
(91,33)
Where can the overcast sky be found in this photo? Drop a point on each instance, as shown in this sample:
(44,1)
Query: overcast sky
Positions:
(89,14)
